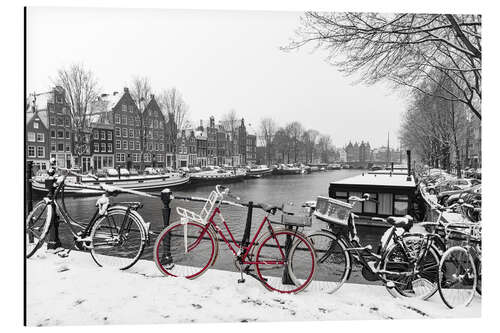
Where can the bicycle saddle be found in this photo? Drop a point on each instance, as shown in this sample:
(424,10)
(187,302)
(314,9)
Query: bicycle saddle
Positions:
(405,222)
(269,208)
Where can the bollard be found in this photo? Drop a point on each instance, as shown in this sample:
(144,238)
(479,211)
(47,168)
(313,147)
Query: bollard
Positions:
(54,241)
(285,278)
(248,225)
(166,198)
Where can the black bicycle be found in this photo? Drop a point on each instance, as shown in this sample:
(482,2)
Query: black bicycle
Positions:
(115,235)
(401,264)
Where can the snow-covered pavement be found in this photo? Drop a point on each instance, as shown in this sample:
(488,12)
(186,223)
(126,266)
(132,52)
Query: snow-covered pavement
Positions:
(75,291)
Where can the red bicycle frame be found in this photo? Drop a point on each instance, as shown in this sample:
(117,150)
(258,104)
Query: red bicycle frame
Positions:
(211,221)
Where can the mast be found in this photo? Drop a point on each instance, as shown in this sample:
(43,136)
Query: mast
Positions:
(388,150)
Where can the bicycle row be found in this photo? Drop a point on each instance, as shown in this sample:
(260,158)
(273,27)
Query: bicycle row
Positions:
(283,258)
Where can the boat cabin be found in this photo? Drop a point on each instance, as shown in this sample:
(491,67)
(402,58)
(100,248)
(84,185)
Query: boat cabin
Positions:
(395,194)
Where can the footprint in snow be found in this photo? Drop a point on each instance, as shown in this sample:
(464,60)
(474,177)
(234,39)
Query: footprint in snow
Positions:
(78,302)
(196,306)
(62,268)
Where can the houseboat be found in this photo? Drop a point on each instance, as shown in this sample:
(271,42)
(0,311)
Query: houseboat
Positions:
(334,166)
(149,182)
(217,176)
(258,171)
(283,169)
(392,194)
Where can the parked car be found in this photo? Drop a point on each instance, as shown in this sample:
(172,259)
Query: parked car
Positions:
(150,171)
(133,172)
(124,172)
(111,172)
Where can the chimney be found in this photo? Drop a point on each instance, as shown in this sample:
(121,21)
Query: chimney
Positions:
(125,90)
(115,93)
(152,96)
(408,157)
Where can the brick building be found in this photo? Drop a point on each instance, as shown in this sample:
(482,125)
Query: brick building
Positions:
(154,126)
(37,136)
(101,147)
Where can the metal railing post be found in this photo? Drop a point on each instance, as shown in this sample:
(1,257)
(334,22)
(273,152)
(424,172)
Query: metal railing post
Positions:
(166,198)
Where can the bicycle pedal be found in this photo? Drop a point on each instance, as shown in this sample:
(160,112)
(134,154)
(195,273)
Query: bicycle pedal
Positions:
(63,254)
(241,280)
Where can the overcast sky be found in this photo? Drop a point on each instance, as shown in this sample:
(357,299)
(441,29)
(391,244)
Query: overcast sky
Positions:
(219,60)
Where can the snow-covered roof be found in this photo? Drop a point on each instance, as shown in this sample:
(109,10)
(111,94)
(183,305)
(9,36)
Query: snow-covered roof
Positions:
(200,135)
(106,102)
(377,180)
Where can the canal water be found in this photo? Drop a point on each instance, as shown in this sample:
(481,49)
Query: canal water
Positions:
(295,189)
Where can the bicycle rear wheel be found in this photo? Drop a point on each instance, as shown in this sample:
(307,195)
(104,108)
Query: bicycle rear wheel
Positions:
(37,227)
(420,281)
(333,262)
(457,277)
(185,250)
(117,239)
(277,269)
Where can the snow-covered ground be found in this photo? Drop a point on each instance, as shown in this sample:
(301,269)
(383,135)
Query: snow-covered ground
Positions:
(74,291)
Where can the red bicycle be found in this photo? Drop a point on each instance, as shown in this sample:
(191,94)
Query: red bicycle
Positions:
(187,248)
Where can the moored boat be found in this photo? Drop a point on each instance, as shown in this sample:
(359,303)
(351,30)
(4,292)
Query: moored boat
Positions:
(210,176)
(155,182)
(258,171)
(287,170)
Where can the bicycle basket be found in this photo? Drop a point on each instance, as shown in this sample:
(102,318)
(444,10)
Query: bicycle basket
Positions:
(300,219)
(332,210)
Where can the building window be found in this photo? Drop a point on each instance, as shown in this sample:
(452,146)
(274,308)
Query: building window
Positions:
(118,144)
(68,148)
(110,135)
(124,132)
(131,120)
(31,151)
(96,135)
(156,123)
(161,147)
(156,146)
(52,120)
(125,145)
(117,119)
(131,145)
(103,147)
(31,136)
(60,147)
(40,151)
(67,121)
(160,124)
(96,147)
(124,120)
(60,121)
(124,108)
(110,148)
(103,135)
(67,135)
(35,124)
(131,108)
(137,145)
(40,137)
(60,134)
(53,134)
(137,121)
(131,132)
(118,132)
(52,147)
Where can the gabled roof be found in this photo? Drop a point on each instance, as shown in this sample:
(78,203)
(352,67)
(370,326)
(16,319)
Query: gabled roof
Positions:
(106,102)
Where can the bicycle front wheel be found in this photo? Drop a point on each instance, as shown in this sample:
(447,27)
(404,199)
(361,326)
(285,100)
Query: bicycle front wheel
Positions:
(37,227)
(333,262)
(117,239)
(185,250)
(457,277)
(414,270)
(277,269)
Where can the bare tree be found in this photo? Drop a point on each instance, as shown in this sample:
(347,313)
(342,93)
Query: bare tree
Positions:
(81,90)
(230,121)
(325,145)
(140,91)
(294,131)
(267,131)
(407,49)
(309,139)
(171,101)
